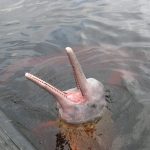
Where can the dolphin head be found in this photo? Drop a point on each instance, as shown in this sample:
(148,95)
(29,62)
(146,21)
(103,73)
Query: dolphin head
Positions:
(81,104)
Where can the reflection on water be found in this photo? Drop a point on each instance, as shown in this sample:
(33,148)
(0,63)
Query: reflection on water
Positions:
(111,40)
(89,136)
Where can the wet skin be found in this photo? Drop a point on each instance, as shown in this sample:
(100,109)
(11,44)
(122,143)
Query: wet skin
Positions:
(81,104)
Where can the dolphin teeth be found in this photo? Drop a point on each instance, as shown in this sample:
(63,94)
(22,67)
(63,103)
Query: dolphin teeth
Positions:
(53,90)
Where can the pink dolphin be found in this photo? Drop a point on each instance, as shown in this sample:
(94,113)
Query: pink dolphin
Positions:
(84,103)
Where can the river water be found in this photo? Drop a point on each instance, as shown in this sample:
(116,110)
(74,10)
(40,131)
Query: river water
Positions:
(112,42)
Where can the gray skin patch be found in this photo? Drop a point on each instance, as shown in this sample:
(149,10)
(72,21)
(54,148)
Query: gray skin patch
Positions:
(89,110)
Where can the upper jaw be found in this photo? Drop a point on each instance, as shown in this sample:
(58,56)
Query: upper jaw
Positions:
(79,75)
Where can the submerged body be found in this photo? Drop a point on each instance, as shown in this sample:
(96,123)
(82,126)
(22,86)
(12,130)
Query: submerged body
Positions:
(95,135)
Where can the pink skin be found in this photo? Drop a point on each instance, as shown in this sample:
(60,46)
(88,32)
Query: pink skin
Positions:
(83,103)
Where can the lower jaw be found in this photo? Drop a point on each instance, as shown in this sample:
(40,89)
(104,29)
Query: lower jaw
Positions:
(92,119)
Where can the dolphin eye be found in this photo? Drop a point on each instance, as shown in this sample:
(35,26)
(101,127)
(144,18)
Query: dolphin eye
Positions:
(93,105)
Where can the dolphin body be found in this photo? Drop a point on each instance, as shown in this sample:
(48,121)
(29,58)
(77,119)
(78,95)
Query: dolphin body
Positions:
(81,104)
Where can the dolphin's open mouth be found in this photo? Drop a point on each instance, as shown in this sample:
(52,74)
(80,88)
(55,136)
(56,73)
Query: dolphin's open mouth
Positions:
(72,96)
(80,79)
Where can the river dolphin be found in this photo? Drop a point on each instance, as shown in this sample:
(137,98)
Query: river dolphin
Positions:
(81,104)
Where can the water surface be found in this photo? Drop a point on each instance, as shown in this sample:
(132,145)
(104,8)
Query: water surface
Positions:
(111,40)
